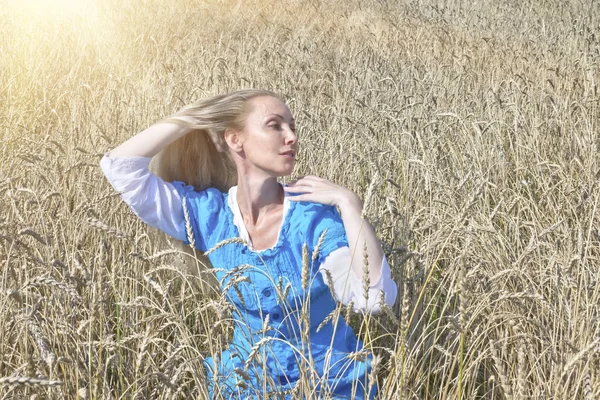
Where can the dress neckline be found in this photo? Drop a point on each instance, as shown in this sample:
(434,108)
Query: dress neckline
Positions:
(238,221)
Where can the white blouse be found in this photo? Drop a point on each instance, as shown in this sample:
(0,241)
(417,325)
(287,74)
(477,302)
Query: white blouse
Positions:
(158,204)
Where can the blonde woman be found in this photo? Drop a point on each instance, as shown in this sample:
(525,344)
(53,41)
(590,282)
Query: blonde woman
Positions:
(219,164)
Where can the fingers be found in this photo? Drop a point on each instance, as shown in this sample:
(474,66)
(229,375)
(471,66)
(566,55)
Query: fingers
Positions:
(296,189)
(311,181)
(313,188)
(299,197)
(302,182)
(307,187)
(313,178)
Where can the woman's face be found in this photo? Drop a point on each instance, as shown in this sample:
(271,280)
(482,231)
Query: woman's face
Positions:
(269,142)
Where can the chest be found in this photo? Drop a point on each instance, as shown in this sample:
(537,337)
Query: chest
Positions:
(264,232)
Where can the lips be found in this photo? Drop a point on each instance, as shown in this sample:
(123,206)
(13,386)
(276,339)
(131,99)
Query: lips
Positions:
(290,153)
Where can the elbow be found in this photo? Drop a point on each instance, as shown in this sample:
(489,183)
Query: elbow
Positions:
(377,299)
(387,298)
(392,294)
(105,165)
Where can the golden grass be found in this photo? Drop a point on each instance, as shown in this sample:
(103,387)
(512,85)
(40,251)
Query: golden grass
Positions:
(472,128)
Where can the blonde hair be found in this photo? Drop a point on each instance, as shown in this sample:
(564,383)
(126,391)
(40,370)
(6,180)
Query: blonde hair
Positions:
(200,158)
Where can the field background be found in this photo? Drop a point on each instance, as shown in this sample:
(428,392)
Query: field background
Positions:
(471,128)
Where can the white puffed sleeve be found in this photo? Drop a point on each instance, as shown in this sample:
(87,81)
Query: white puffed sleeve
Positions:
(348,287)
(153,200)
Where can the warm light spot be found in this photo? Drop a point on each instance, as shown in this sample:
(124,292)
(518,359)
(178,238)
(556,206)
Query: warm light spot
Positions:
(54,37)
(46,9)
(42,16)
(57,22)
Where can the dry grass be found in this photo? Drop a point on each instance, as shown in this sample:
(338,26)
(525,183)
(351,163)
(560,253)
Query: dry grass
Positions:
(478,124)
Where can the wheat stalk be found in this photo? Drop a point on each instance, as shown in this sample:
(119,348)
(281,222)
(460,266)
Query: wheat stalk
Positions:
(34,234)
(366,278)
(225,243)
(317,248)
(47,281)
(330,283)
(28,381)
(305,267)
(504,381)
(188,224)
(254,351)
(106,228)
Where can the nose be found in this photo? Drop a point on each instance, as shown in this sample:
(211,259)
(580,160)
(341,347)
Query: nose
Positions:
(291,137)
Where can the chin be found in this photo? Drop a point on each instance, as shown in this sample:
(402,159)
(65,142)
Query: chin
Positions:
(283,173)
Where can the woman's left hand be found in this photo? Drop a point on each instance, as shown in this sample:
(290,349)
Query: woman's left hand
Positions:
(358,230)
(319,190)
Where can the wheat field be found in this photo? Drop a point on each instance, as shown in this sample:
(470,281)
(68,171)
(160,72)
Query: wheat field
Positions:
(470,129)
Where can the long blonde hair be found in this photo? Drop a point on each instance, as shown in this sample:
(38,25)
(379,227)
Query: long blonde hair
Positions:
(201,159)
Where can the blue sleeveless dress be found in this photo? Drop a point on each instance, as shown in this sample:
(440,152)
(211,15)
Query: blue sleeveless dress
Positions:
(273,346)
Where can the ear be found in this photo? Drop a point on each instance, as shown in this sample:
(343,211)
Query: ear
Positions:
(233,138)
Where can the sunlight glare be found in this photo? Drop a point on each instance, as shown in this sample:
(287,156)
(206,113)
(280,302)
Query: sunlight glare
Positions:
(39,19)
(47,9)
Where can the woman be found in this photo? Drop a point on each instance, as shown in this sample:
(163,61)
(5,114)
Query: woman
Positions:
(296,253)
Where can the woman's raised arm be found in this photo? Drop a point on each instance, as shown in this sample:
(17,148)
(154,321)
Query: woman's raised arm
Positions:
(151,141)
(153,200)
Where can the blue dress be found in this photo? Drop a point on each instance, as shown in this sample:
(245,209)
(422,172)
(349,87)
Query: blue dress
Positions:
(266,290)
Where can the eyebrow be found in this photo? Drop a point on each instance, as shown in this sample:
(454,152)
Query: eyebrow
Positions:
(281,117)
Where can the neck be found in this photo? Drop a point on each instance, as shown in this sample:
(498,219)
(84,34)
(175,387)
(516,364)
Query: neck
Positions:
(257,196)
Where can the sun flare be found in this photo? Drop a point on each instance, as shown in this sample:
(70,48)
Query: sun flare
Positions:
(39,16)
(47,9)
(38,28)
